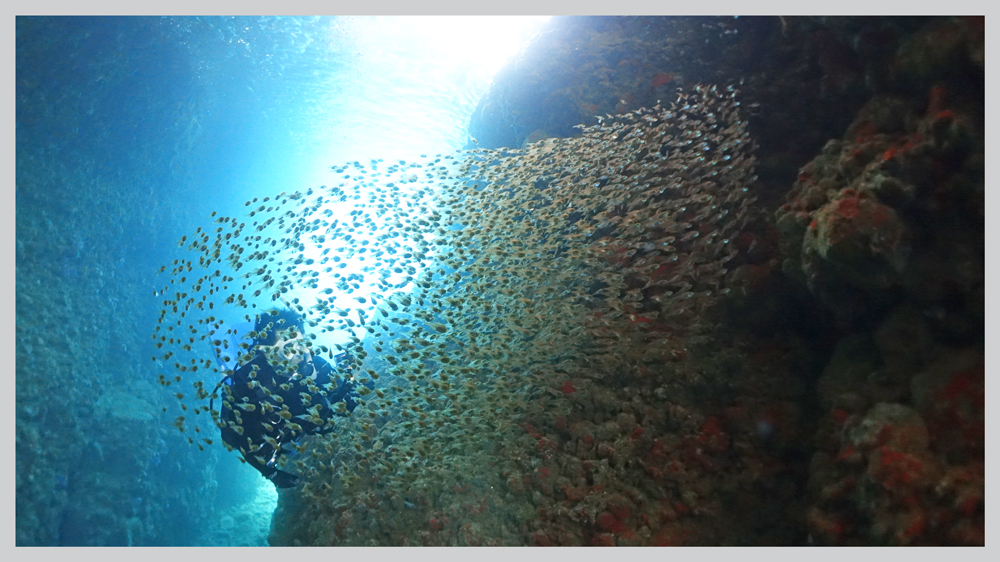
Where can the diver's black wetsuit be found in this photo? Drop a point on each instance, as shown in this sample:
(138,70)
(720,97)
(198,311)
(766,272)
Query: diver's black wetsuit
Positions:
(258,451)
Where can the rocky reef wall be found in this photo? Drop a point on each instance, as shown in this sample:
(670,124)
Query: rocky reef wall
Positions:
(837,395)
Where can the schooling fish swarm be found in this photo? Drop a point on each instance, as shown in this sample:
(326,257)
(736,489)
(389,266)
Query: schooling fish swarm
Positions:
(481,283)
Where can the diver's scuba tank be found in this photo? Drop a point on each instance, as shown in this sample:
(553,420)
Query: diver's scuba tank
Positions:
(234,336)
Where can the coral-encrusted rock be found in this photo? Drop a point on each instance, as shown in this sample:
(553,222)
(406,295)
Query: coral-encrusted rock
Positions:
(881,115)
(904,339)
(906,344)
(607,431)
(940,50)
(855,239)
(849,221)
(854,359)
(900,470)
(882,474)
(892,425)
(951,395)
(515,484)
(947,282)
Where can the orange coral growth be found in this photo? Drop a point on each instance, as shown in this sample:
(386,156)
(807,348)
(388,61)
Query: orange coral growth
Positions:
(893,468)
(662,78)
(849,207)
(936,100)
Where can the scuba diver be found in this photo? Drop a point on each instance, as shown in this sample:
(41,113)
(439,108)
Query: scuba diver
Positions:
(280,395)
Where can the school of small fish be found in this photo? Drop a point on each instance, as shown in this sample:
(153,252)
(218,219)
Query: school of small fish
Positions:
(471,286)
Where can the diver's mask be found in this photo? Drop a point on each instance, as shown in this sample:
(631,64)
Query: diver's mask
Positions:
(293,349)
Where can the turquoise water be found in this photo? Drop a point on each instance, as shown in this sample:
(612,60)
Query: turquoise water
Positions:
(130,131)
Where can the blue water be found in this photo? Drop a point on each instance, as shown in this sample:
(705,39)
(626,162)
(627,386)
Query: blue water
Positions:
(130,131)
